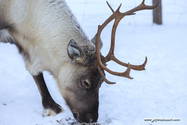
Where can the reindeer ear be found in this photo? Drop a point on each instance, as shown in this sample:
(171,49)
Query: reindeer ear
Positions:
(75,52)
(93,40)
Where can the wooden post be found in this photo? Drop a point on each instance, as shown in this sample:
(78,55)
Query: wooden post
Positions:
(157,13)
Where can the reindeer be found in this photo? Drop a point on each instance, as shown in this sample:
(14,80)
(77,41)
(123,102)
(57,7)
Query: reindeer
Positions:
(49,38)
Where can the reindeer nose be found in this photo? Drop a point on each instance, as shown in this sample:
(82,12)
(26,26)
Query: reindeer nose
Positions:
(90,118)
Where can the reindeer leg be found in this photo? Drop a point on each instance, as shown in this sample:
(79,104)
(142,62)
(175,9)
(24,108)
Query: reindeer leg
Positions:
(51,108)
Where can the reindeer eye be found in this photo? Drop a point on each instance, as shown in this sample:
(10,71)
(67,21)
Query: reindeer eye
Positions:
(87,84)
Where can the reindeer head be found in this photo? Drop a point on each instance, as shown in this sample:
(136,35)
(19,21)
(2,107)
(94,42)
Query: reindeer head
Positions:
(82,98)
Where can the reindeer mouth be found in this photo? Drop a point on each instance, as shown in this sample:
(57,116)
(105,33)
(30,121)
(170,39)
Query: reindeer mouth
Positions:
(75,115)
(87,119)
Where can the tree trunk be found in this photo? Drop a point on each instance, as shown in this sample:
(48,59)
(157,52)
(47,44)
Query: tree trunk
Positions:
(157,13)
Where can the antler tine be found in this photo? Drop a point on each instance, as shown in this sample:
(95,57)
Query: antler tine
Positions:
(134,67)
(142,6)
(117,15)
(110,6)
(124,74)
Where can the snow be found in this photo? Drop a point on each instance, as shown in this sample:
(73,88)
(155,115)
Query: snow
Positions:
(158,92)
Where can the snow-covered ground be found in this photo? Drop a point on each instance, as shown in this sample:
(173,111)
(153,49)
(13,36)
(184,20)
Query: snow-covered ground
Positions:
(158,92)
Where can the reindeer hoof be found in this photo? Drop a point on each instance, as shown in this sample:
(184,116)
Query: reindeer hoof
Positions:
(52,112)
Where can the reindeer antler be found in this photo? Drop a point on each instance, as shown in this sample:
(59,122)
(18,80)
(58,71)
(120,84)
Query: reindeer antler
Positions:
(117,15)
